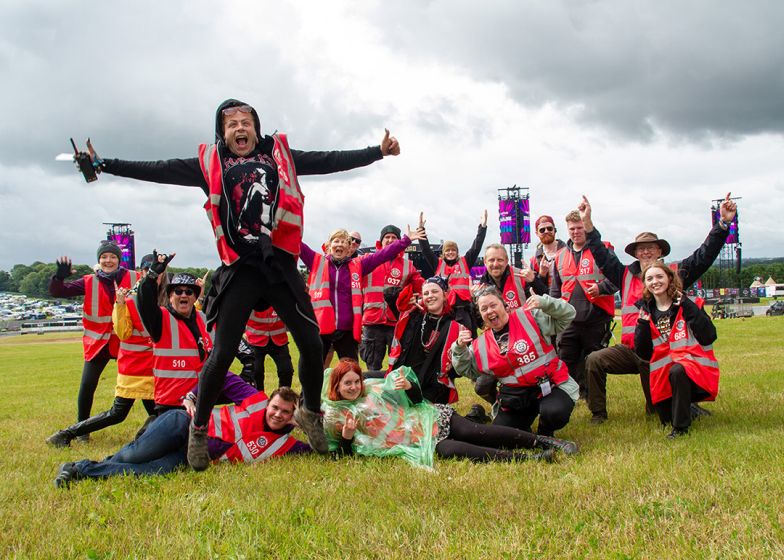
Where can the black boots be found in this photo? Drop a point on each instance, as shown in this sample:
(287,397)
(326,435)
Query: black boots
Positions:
(81,430)
(564,446)
(65,475)
(477,414)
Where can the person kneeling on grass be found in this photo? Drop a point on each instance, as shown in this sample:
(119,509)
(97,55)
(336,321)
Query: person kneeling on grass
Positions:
(253,430)
(676,335)
(389,418)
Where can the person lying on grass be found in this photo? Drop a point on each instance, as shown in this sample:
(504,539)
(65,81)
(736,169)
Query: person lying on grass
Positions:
(253,430)
(390,418)
(676,336)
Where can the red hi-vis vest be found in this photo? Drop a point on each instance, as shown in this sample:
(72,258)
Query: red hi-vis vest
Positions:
(135,355)
(459,277)
(395,273)
(318,287)
(529,359)
(585,274)
(681,347)
(243,426)
(446,353)
(287,229)
(97,315)
(176,362)
(514,289)
(265,325)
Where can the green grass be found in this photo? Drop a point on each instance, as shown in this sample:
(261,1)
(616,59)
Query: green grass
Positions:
(630,494)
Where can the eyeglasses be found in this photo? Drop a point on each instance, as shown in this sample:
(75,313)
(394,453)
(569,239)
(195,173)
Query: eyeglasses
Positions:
(181,291)
(228,111)
(546,229)
(356,240)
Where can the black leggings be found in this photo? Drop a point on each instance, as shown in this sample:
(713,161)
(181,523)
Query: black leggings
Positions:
(247,288)
(282,358)
(119,412)
(91,373)
(482,442)
(677,409)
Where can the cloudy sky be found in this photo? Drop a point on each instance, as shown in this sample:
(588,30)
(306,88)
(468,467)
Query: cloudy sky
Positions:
(651,109)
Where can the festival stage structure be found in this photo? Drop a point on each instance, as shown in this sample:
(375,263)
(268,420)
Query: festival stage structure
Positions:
(514,217)
(122,234)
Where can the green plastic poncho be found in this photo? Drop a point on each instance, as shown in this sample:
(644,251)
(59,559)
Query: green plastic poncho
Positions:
(388,423)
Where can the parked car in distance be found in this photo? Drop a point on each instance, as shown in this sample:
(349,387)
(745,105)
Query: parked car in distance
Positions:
(776,308)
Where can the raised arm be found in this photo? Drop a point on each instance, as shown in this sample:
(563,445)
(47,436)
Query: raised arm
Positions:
(476,247)
(320,163)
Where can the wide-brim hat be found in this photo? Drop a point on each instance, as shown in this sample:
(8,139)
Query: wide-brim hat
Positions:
(648,237)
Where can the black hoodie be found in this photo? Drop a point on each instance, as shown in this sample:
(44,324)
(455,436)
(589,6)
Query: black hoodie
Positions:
(187,172)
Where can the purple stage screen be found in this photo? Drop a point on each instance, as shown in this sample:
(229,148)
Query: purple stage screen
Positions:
(126,243)
(515,221)
(734,236)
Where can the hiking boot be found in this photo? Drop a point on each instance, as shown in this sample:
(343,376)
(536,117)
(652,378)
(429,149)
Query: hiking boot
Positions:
(697,411)
(563,445)
(677,433)
(598,419)
(548,455)
(198,456)
(65,474)
(60,439)
(477,414)
(312,424)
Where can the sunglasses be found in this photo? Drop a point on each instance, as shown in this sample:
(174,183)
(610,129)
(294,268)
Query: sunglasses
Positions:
(546,229)
(356,240)
(181,291)
(228,111)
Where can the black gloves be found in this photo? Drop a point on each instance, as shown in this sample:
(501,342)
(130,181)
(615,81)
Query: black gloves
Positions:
(158,267)
(63,268)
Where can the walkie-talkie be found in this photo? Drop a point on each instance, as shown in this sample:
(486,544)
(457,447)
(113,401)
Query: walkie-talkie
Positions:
(84,163)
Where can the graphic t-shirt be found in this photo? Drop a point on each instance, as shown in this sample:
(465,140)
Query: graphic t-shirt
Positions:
(252,182)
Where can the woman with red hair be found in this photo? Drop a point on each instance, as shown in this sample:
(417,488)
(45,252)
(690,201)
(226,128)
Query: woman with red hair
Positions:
(390,417)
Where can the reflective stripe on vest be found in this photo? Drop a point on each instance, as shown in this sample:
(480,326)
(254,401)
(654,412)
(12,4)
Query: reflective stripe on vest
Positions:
(319,290)
(521,373)
(375,309)
(582,273)
(514,289)
(97,313)
(459,277)
(631,292)
(177,362)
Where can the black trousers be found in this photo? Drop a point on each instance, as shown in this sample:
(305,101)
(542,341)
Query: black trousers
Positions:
(344,344)
(121,407)
(677,409)
(576,343)
(376,341)
(520,407)
(91,374)
(248,289)
(482,442)
(282,358)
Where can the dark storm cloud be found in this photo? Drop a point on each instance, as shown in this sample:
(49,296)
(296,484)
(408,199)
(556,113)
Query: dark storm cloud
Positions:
(143,80)
(695,69)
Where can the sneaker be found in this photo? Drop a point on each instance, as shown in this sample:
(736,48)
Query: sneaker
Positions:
(696,411)
(597,419)
(60,439)
(548,455)
(313,426)
(198,456)
(65,474)
(677,433)
(477,414)
(563,445)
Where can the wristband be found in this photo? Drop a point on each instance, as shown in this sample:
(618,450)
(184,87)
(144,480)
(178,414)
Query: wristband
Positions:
(723,225)
(152,274)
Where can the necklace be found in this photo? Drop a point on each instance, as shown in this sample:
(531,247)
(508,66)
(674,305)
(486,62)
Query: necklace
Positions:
(433,335)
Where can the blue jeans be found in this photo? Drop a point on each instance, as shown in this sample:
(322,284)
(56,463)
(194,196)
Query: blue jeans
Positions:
(161,449)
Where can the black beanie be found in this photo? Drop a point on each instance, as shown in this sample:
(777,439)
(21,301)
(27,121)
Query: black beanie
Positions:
(389,229)
(107,246)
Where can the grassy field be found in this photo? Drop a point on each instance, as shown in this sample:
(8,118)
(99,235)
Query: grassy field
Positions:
(630,494)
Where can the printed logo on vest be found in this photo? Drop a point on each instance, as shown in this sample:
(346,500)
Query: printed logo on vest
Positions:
(262,441)
(521,347)
(585,263)
(679,326)
(510,295)
(355,277)
(395,273)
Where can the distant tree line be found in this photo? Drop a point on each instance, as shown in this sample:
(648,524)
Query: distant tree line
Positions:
(33,280)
